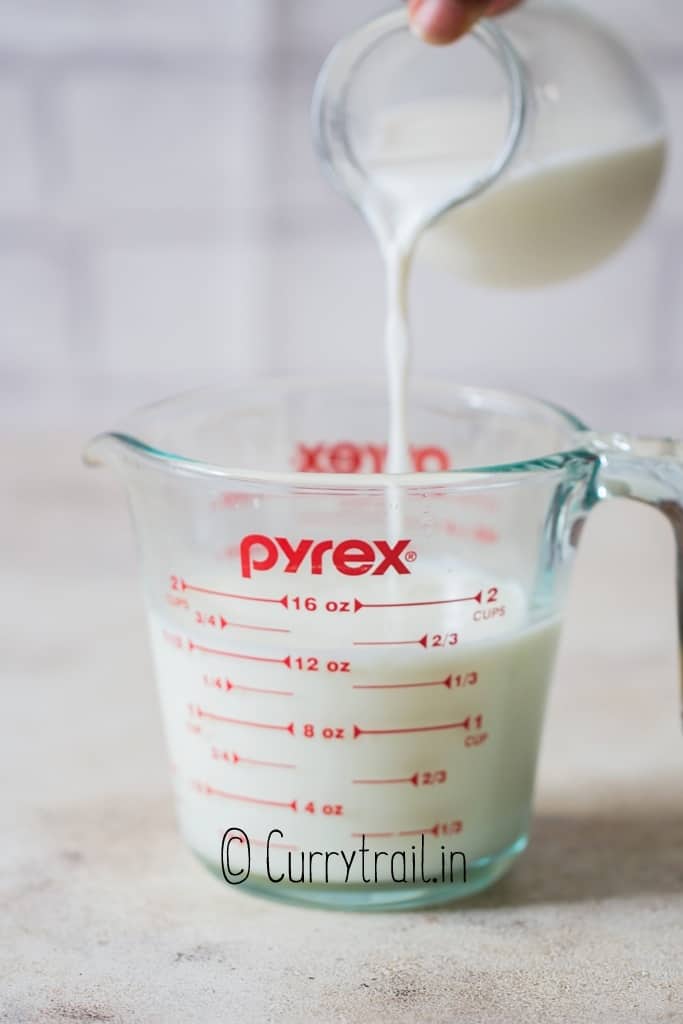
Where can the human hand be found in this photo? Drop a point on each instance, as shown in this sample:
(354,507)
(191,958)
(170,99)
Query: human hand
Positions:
(443,21)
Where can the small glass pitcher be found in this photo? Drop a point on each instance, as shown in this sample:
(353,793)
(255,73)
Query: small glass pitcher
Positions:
(544,110)
(353,666)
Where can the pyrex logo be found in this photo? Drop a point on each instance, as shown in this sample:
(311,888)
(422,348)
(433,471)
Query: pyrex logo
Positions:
(259,553)
(348,457)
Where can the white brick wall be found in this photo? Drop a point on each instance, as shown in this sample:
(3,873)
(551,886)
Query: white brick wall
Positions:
(149,322)
(47,28)
(577,329)
(327,302)
(173,142)
(34,313)
(163,218)
(20,178)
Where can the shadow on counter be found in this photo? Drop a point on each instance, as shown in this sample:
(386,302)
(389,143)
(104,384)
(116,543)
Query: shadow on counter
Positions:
(594,857)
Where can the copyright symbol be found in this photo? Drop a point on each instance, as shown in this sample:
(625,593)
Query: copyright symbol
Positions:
(239,836)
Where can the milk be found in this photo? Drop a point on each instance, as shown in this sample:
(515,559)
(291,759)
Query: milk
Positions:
(562,210)
(551,216)
(330,755)
(577,214)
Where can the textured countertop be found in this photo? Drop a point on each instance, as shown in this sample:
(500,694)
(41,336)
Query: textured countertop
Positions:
(106,917)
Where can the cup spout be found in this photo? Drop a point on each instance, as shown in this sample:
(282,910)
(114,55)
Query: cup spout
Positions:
(108,449)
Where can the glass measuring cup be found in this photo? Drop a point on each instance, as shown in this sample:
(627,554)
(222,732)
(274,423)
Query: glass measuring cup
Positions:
(335,677)
(543,116)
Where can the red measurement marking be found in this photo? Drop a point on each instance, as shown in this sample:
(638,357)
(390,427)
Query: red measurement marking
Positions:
(191,646)
(210,791)
(434,831)
(413,780)
(261,629)
(448,683)
(391,643)
(357,731)
(358,605)
(238,759)
(235,597)
(257,689)
(238,721)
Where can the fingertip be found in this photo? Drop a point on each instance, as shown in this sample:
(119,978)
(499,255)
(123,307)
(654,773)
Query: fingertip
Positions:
(439,22)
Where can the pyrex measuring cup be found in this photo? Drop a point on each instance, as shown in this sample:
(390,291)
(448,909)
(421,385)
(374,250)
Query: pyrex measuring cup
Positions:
(350,661)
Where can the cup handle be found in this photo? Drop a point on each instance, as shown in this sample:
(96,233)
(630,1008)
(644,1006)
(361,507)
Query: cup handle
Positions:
(648,470)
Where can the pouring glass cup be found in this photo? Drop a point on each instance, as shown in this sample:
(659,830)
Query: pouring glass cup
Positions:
(348,659)
(544,86)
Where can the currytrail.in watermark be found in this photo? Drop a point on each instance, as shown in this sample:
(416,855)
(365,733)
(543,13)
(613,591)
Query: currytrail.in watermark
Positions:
(358,866)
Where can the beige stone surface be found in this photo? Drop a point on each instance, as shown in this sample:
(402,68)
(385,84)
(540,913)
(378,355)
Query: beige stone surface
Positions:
(105,917)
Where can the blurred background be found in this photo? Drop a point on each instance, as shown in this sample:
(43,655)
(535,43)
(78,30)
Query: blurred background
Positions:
(163,219)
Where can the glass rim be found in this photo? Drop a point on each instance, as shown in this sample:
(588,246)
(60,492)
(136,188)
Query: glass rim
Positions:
(328,101)
(578,448)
